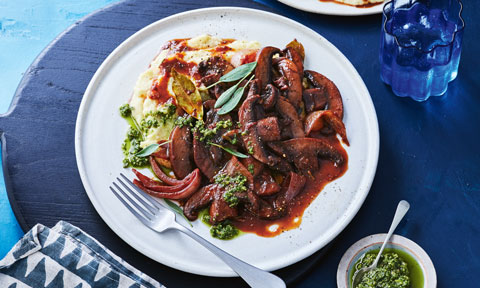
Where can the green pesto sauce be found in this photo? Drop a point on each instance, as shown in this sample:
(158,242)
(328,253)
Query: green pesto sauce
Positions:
(395,276)
(232,185)
(136,133)
(205,133)
(223,231)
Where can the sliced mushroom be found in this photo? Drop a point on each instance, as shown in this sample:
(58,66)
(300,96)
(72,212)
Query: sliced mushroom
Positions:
(263,71)
(180,151)
(294,92)
(314,99)
(269,129)
(289,119)
(317,120)
(220,210)
(270,97)
(335,103)
(296,58)
(304,153)
(261,208)
(234,167)
(203,159)
(252,163)
(254,88)
(200,199)
(265,185)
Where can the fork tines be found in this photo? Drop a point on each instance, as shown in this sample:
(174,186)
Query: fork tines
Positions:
(142,203)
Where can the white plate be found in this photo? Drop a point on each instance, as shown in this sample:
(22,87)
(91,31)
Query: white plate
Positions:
(100,131)
(332,8)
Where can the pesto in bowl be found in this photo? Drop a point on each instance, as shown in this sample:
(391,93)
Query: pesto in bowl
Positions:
(403,264)
(396,269)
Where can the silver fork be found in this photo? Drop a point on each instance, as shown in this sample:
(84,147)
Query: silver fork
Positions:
(159,219)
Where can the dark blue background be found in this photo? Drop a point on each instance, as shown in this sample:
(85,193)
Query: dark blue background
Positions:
(429,152)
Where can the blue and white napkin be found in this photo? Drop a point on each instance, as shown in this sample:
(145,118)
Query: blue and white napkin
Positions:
(65,256)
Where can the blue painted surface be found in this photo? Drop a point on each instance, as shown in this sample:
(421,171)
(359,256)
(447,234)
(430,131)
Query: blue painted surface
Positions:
(26,27)
(10,231)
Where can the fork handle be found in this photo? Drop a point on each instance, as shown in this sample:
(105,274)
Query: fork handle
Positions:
(252,275)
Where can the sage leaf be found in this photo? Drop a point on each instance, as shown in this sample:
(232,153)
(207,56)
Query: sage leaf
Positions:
(187,95)
(177,209)
(226,96)
(147,151)
(239,72)
(231,151)
(232,103)
(150,149)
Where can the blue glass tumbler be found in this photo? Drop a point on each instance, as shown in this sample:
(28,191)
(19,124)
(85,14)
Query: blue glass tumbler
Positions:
(420,46)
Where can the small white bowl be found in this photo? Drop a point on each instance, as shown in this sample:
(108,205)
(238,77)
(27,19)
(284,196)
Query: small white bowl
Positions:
(397,242)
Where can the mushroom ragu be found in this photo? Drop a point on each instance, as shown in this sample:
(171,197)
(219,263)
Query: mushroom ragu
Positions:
(254,139)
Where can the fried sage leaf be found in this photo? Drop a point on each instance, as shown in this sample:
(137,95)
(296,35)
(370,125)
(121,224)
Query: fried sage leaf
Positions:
(150,149)
(226,96)
(239,72)
(234,100)
(187,95)
(231,151)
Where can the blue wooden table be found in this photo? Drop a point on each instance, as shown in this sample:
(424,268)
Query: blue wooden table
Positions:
(429,151)
(26,27)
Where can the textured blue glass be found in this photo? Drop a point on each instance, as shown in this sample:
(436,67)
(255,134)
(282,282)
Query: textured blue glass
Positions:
(420,46)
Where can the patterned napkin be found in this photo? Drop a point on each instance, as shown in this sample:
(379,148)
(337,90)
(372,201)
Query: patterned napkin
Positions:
(65,256)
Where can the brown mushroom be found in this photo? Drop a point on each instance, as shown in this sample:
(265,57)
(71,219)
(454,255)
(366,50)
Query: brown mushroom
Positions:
(234,167)
(254,164)
(269,129)
(317,120)
(329,88)
(263,71)
(314,99)
(220,210)
(270,97)
(304,153)
(180,151)
(203,158)
(294,92)
(296,58)
(265,185)
(293,126)
(197,201)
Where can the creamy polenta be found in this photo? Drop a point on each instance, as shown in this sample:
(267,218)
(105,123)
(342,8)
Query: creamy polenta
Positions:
(153,95)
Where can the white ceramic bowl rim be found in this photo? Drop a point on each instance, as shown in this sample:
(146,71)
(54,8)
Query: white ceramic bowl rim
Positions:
(367,243)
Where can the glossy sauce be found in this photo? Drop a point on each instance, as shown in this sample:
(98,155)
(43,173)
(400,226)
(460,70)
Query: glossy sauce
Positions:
(366,5)
(326,174)
(177,48)
(159,90)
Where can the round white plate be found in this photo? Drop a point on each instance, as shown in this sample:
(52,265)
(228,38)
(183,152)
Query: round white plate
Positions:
(332,8)
(100,131)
